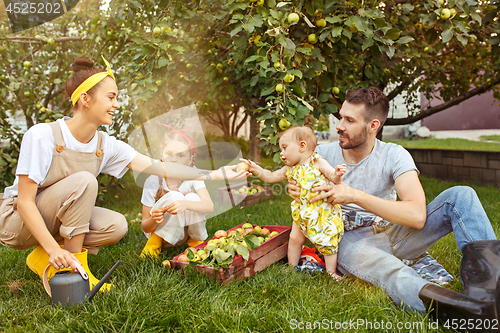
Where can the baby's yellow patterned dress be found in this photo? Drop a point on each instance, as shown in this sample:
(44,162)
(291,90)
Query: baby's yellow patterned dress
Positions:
(320,222)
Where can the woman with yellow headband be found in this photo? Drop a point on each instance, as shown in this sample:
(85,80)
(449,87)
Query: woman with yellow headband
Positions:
(52,202)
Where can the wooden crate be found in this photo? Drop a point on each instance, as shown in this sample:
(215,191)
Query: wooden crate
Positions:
(223,195)
(268,253)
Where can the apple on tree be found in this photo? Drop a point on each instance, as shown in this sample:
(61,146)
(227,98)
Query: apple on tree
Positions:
(284,124)
(293,17)
(289,78)
(312,38)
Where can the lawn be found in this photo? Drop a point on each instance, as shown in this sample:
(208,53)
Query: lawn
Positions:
(494,137)
(451,143)
(148,298)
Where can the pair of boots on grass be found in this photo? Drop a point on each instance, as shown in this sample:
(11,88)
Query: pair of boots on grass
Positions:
(155,243)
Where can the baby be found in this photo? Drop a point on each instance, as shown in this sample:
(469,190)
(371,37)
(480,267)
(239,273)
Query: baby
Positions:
(320,222)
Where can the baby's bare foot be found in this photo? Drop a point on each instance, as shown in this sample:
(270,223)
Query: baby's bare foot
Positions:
(336,277)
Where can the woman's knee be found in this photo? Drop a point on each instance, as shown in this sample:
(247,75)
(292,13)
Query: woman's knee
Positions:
(86,181)
(120,227)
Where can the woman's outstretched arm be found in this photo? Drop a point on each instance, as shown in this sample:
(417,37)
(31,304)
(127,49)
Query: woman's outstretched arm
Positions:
(142,163)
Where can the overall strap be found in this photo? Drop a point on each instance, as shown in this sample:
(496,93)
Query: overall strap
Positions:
(58,137)
(100,144)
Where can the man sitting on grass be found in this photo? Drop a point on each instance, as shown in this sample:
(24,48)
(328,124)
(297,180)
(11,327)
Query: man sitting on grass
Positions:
(372,248)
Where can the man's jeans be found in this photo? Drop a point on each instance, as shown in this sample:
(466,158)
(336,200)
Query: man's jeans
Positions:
(375,258)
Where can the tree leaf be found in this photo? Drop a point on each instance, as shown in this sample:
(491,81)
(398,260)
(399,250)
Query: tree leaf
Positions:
(393,33)
(323,97)
(390,51)
(296,72)
(367,43)
(336,31)
(238,5)
(236,30)
(475,16)
(462,39)
(276,158)
(254,80)
(405,39)
(347,32)
(289,44)
(333,19)
(273,32)
(267,91)
(308,22)
(253,58)
(447,35)
(162,62)
(309,106)
(221,256)
(252,242)
(248,27)
(243,251)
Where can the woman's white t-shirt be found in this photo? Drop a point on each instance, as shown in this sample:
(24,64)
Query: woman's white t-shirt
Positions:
(152,184)
(37,149)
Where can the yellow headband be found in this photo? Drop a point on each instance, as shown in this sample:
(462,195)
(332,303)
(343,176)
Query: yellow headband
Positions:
(90,82)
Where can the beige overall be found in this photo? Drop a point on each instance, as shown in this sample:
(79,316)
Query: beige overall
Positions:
(66,201)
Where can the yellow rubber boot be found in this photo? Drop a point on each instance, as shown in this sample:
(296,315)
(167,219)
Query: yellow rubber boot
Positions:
(82,258)
(37,260)
(193,242)
(153,246)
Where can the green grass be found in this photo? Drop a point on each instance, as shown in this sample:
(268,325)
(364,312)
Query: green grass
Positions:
(490,138)
(453,143)
(148,298)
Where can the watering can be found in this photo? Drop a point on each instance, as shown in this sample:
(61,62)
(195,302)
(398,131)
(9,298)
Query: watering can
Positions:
(72,288)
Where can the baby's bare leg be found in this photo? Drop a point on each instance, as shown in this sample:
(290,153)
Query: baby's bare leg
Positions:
(331,266)
(295,242)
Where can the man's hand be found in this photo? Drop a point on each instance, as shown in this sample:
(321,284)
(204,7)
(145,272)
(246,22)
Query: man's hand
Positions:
(294,190)
(341,194)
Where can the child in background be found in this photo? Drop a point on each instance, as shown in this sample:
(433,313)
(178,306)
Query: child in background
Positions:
(320,222)
(174,211)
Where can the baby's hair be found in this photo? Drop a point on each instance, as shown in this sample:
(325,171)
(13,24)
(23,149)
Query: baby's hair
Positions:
(303,133)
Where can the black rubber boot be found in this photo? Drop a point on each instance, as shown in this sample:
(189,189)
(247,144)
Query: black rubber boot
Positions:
(480,269)
(458,311)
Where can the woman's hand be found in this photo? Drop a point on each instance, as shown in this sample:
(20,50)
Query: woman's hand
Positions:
(252,167)
(227,173)
(157,214)
(61,258)
(294,190)
(177,207)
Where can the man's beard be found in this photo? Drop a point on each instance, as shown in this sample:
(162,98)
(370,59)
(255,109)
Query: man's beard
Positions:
(354,142)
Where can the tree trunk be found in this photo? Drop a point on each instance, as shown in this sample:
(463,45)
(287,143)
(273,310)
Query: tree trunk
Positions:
(254,152)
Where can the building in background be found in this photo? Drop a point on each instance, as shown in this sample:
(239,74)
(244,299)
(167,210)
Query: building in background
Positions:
(478,112)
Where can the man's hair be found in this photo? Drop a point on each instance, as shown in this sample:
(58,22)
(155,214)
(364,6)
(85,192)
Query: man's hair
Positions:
(303,133)
(375,102)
